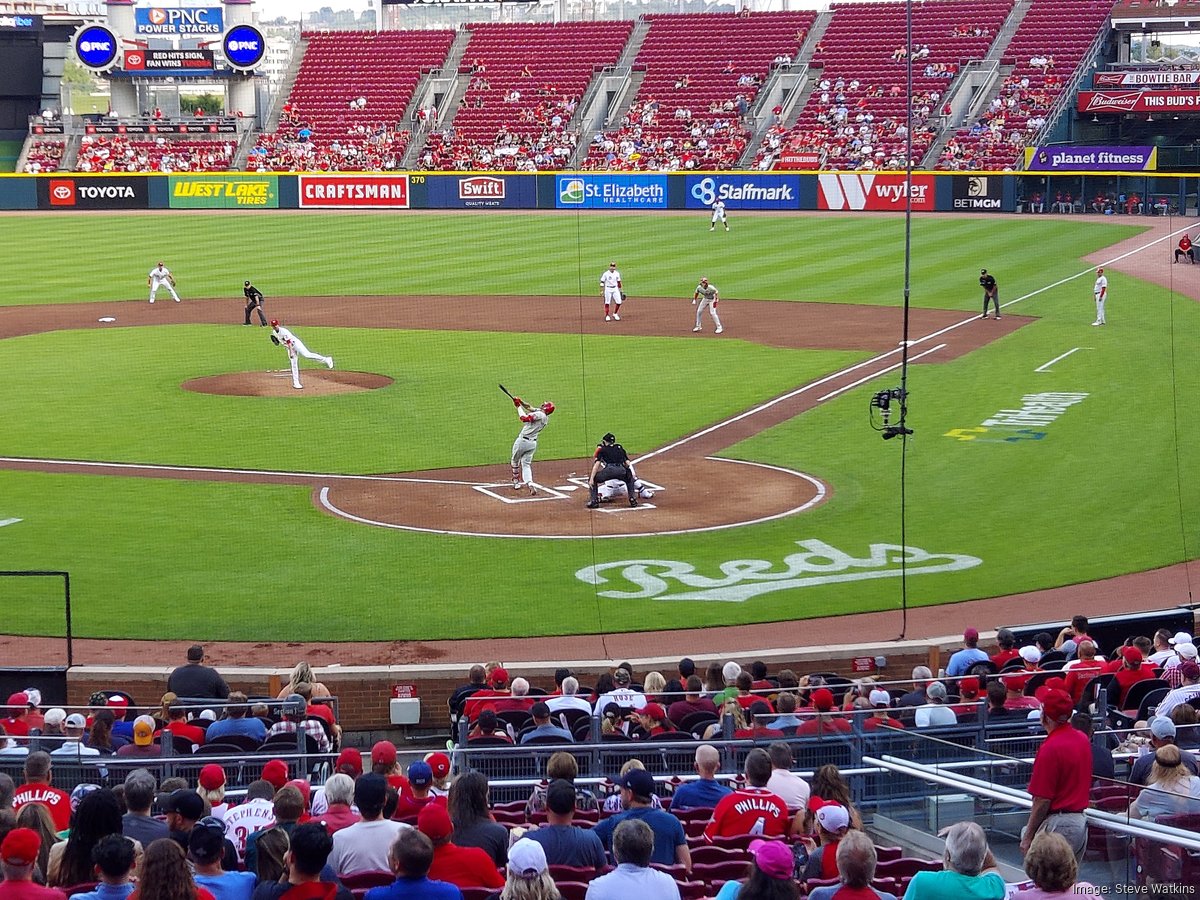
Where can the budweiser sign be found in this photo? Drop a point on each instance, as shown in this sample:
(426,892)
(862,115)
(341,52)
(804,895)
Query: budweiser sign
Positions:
(1139,101)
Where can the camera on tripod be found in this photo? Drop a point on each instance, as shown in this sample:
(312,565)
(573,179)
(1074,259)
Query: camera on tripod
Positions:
(882,401)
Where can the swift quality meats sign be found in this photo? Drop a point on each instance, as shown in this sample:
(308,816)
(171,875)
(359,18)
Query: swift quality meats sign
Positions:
(1139,101)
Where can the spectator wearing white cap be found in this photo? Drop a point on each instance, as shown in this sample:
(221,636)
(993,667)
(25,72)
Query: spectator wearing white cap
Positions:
(53,731)
(1162,734)
(528,875)
(74,725)
(34,717)
(1184,650)
(1163,648)
(881,717)
(833,821)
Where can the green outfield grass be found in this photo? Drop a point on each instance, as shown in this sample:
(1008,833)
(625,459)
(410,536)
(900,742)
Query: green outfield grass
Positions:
(842,258)
(1098,495)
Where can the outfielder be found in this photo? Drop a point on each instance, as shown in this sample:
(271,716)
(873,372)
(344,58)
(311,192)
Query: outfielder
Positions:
(708,295)
(160,276)
(295,348)
(611,462)
(1100,292)
(718,215)
(613,297)
(254,301)
(532,423)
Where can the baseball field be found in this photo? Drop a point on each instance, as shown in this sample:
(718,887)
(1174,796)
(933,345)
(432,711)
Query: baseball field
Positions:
(163,459)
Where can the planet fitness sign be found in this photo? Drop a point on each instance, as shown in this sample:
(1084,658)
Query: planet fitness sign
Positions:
(1091,159)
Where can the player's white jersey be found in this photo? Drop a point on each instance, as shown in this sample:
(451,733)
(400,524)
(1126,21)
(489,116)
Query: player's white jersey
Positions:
(160,273)
(610,279)
(1101,285)
(718,210)
(530,430)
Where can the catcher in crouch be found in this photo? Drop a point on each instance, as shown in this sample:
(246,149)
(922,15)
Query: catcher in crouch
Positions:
(532,422)
(611,461)
(282,337)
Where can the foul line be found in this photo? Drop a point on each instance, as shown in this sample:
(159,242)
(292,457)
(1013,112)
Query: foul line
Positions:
(864,380)
(265,473)
(1045,367)
(928,337)
(821,493)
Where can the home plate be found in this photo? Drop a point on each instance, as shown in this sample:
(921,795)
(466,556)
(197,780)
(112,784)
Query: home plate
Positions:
(627,509)
(566,487)
(106,319)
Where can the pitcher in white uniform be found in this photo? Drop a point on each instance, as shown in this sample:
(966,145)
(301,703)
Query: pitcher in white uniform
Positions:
(613,298)
(160,276)
(295,349)
(708,296)
(1100,292)
(532,422)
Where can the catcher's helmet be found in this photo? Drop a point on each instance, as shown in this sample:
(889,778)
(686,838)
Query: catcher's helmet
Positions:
(609,438)
(547,407)
(247,284)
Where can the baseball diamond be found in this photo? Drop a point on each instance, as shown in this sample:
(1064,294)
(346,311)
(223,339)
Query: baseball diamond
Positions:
(757,442)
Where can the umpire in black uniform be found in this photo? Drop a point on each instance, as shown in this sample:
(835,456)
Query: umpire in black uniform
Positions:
(990,292)
(611,461)
(254,301)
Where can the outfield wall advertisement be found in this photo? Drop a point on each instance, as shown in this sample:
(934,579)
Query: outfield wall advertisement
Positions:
(117,192)
(354,191)
(870,192)
(743,191)
(231,191)
(482,191)
(610,192)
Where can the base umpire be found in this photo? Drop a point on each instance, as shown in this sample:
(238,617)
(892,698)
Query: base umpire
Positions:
(254,301)
(611,461)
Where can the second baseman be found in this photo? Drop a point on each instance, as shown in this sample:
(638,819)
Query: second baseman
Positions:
(613,298)
(532,422)
(295,348)
(708,296)
(160,276)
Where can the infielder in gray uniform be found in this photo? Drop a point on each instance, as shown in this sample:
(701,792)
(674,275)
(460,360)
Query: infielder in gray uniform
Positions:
(708,296)
(533,421)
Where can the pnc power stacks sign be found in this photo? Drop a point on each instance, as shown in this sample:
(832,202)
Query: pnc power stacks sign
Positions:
(224,191)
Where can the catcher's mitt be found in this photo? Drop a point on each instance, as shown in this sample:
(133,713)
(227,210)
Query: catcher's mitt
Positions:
(275,339)
(624,296)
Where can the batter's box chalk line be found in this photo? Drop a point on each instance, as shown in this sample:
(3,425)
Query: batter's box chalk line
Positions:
(621,507)
(505,493)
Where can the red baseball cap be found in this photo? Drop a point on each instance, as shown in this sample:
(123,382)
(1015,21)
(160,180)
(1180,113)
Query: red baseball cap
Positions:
(1057,705)
(383,754)
(499,676)
(20,699)
(20,847)
(1132,655)
(968,687)
(971,634)
(350,758)
(822,699)
(654,711)
(440,763)
(434,821)
(276,772)
(212,777)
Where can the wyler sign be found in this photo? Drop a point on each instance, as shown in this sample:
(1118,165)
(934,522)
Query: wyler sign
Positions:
(354,192)
(187,21)
(224,191)
(982,193)
(93,193)
(868,192)
(1091,159)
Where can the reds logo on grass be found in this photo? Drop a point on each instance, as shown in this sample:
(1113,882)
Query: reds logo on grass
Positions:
(873,193)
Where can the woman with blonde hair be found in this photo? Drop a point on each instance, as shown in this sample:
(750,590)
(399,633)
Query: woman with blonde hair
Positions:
(1170,787)
(303,674)
(731,709)
(166,876)
(612,803)
(1052,867)
(528,875)
(653,688)
(37,817)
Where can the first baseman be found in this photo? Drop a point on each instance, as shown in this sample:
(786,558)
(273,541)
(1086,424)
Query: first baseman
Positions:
(254,301)
(532,423)
(718,215)
(295,347)
(1100,292)
(991,293)
(160,276)
(610,281)
(708,295)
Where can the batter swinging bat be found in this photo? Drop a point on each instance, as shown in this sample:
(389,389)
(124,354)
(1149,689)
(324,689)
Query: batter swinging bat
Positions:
(503,388)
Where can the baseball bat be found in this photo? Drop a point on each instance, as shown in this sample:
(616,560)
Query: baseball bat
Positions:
(503,388)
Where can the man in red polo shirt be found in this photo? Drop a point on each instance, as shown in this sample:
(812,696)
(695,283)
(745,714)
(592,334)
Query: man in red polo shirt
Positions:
(1062,776)
(1130,672)
(826,720)
(14,723)
(752,809)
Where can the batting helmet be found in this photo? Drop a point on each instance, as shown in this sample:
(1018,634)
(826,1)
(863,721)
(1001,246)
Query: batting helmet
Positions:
(547,407)
(274,322)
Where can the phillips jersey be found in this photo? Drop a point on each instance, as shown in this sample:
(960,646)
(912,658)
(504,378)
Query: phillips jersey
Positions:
(751,810)
(532,428)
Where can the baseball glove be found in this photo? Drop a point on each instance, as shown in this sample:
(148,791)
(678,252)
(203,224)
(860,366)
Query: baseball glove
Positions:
(275,339)
(624,296)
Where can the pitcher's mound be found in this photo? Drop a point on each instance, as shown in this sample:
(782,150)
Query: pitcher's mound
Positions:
(278,383)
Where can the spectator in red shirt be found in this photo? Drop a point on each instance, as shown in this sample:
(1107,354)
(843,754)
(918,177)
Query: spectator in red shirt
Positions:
(881,702)
(419,795)
(1083,670)
(1007,642)
(466,867)
(15,725)
(752,809)
(517,701)
(177,724)
(757,728)
(383,762)
(745,698)
(968,697)
(1130,672)
(37,789)
(18,857)
(652,719)
(825,721)
(486,698)
(339,795)
(1062,775)
(1185,249)
(692,702)
(1016,681)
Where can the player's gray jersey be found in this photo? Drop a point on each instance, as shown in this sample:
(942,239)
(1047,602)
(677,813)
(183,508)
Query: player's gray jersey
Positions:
(707,291)
(530,430)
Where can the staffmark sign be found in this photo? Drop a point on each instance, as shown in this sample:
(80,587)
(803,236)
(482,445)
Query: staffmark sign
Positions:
(92,193)
(744,192)
(867,191)
(981,193)
(354,192)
